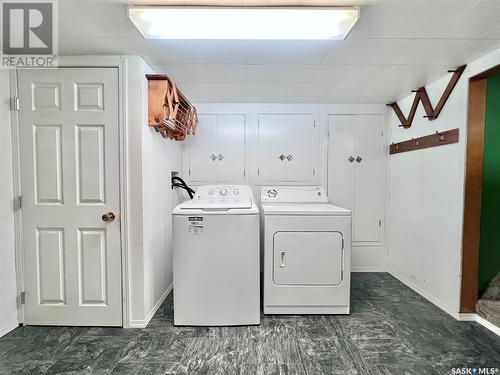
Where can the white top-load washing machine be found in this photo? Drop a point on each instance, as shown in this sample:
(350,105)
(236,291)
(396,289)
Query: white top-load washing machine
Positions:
(307,252)
(216,258)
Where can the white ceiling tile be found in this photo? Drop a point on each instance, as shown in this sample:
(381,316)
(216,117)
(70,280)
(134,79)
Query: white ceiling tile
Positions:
(492,34)
(216,89)
(94,19)
(300,52)
(185,72)
(297,73)
(429,18)
(480,19)
(474,50)
(195,99)
(260,89)
(396,46)
(262,73)
(378,18)
(394,51)
(349,73)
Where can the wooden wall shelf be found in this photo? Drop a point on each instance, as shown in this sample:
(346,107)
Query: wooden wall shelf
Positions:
(169,111)
(432,140)
(422,96)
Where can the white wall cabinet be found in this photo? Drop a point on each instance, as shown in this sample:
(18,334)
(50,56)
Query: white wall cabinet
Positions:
(286,149)
(217,152)
(356,173)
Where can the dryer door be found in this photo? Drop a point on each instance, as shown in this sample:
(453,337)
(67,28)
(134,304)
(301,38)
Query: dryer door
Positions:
(308,258)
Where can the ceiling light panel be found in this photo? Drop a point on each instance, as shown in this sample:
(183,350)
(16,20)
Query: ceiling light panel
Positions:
(303,23)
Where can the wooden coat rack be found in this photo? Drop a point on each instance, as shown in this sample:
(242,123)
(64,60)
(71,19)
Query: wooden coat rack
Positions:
(169,111)
(422,96)
(427,141)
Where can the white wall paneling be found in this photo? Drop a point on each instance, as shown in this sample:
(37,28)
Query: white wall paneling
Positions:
(427,195)
(301,130)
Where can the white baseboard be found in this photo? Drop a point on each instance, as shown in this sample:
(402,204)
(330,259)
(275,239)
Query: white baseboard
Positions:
(144,322)
(8,327)
(470,317)
(424,294)
(368,269)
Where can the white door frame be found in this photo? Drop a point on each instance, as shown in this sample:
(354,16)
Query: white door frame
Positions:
(120,63)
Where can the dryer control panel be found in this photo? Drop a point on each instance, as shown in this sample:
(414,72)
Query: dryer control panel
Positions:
(293,194)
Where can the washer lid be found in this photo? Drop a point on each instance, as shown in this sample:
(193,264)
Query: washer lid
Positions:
(320,209)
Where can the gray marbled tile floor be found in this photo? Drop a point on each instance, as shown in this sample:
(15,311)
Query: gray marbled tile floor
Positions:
(391,330)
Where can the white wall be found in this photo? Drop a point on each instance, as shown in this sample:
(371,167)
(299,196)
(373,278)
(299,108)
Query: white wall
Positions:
(160,157)
(8,291)
(426,196)
(365,258)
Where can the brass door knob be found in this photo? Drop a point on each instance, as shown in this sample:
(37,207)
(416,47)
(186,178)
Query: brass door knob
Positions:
(108,217)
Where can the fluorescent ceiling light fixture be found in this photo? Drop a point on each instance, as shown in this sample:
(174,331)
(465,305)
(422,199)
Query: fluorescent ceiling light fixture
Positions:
(243,22)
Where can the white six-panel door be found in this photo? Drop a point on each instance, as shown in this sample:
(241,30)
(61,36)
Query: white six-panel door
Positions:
(69,154)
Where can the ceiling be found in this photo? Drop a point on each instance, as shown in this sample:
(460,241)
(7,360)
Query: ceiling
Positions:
(397,45)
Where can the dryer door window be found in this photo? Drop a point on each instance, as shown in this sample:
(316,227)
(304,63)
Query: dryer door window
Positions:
(308,258)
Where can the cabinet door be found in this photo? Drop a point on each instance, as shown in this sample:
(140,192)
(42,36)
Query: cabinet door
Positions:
(271,146)
(201,148)
(369,186)
(300,136)
(308,258)
(341,147)
(230,148)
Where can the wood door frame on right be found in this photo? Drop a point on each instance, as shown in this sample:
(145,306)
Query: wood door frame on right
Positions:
(473,189)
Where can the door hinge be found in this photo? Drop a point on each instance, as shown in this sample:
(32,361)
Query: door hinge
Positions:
(18,203)
(22,298)
(15,104)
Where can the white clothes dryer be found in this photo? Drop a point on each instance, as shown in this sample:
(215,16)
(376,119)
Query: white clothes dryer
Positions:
(307,252)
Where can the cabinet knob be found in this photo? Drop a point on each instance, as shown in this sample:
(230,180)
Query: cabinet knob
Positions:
(289,157)
(358,159)
(220,157)
(281,157)
(213,157)
(351,159)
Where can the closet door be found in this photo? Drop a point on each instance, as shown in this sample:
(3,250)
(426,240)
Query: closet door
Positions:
(230,148)
(203,150)
(369,186)
(300,137)
(271,148)
(341,159)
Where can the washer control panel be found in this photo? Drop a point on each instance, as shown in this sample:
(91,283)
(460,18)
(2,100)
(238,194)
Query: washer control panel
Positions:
(293,194)
(221,191)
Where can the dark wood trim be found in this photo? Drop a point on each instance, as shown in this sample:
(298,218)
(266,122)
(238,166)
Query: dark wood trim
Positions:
(427,141)
(473,190)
